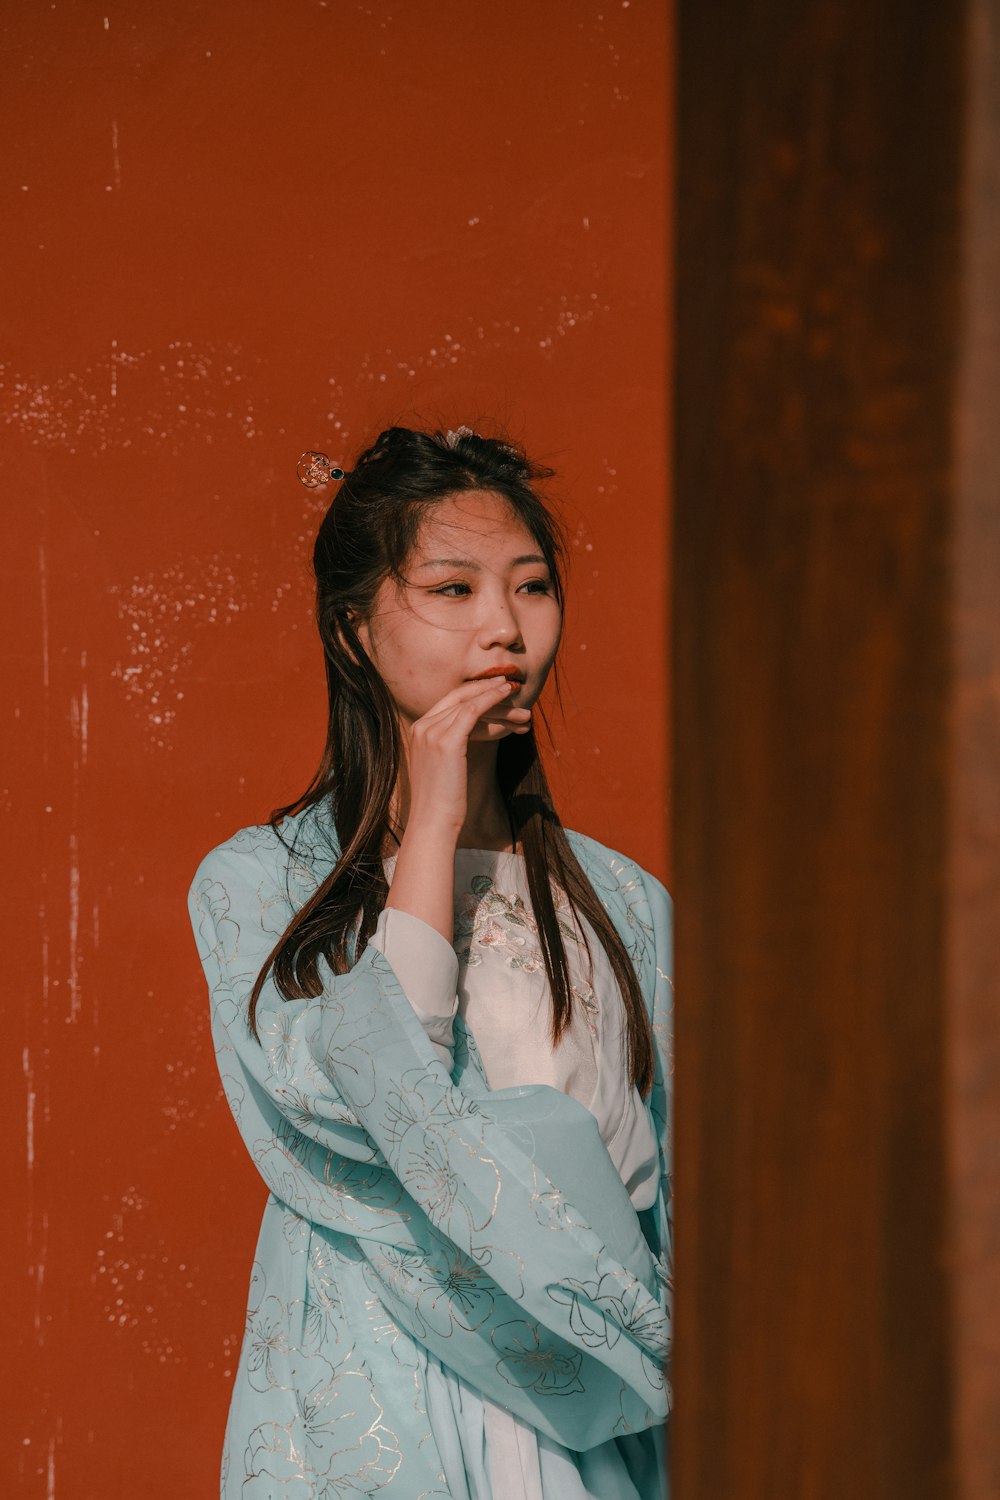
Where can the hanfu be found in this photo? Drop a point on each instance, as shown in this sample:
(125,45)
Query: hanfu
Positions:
(462,1282)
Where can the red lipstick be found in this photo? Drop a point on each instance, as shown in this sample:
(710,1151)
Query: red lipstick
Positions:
(514,673)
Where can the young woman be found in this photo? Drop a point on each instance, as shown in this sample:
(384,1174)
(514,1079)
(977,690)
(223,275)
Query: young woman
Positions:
(442,1024)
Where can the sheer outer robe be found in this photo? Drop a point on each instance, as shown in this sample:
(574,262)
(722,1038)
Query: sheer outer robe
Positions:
(512,1253)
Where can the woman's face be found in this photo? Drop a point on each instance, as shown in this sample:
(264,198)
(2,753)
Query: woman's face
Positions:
(471,601)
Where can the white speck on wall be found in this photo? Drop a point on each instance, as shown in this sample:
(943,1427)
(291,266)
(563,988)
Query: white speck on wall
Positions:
(611,487)
(180,1107)
(572,313)
(135,1280)
(134,400)
(163,615)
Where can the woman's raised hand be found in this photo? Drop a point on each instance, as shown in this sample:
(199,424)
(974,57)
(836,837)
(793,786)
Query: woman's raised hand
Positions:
(424,879)
(438,764)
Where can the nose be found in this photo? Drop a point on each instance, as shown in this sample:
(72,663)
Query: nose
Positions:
(499,626)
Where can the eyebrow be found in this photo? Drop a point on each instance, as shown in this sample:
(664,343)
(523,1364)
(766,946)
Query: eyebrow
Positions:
(467,562)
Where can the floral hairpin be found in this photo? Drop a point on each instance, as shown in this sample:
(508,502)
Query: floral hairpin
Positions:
(315,469)
(452,437)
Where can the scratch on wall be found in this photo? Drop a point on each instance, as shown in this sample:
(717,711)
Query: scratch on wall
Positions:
(30,1122)
(73,976)
(43,584)
(79,710)
(36,1256)
(79,727)
(43,921)
(114,154)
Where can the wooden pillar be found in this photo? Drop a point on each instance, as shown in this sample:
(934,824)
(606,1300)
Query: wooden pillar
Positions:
(836,803)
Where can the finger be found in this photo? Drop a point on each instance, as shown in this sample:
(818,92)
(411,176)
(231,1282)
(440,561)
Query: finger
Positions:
(459,723)
(490,689)
(492,729)
(477,698)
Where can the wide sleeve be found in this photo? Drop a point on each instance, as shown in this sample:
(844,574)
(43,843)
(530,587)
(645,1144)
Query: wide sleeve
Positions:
(354,1122)
(653,913)
(426,965)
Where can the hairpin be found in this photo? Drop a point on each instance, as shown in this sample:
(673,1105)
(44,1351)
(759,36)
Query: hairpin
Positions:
(451,437)
(315,469)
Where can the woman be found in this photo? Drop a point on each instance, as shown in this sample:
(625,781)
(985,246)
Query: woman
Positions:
(442,1023)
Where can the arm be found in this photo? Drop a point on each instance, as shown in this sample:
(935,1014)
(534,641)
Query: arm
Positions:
(427,967)
(415,927)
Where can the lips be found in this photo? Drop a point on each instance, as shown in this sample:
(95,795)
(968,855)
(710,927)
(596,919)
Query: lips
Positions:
(515,674)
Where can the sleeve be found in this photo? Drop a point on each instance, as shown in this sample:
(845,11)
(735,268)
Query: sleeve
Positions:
(658,922)
(354,1123)
(426,965)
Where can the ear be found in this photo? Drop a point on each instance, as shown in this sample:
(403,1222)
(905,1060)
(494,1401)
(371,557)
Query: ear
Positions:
(361,629)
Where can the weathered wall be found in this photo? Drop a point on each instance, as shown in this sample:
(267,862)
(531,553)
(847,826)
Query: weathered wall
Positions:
(231,232)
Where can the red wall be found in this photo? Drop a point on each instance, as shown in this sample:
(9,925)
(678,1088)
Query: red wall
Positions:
(231,232)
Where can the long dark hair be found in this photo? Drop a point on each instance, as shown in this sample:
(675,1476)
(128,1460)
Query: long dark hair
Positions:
(368,534)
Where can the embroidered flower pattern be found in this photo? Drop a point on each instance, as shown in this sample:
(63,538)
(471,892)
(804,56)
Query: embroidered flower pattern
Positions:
(591,1008)
(528,1361)
(443,1292)
(602,1309)
(488,917)
(491,918)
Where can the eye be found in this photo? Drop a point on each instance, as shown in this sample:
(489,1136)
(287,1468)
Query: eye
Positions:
(542,587)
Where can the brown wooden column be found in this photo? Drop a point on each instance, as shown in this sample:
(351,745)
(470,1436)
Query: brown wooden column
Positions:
(836,803)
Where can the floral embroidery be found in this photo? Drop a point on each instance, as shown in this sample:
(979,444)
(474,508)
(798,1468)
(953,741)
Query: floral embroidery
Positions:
(591,1007)
(527,1361)
(488,917)
(477,921)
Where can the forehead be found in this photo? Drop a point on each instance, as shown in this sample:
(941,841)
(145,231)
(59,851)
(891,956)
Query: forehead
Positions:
(475,524)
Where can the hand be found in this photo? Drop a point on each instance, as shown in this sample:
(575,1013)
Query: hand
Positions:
(438,747)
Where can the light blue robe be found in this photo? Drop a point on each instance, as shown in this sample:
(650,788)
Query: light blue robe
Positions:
(413,1216)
